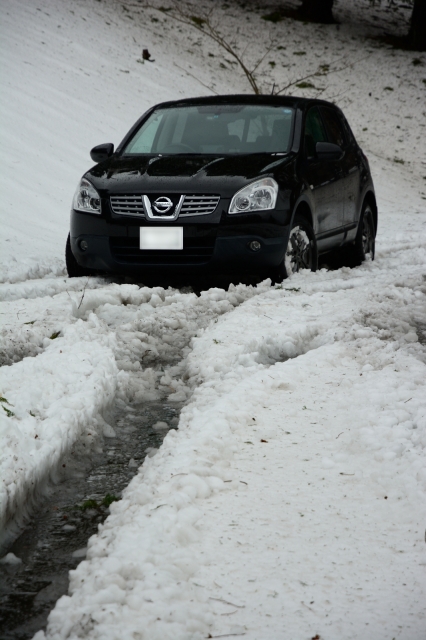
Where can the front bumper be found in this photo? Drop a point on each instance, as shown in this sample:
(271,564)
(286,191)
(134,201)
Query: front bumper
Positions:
(217,248)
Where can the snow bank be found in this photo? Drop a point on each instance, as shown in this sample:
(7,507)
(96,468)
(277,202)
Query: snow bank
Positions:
(111,339)
(149,566)
(53,402)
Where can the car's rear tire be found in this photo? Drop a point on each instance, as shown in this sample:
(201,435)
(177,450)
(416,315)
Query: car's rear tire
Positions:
(365,242)
(301,252)
(73,268)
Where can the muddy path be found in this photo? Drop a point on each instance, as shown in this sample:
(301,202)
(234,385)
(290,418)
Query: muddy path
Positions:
(152,331)
(54,541)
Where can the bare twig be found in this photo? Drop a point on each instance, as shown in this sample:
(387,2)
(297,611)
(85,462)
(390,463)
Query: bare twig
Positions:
(228,635)
(205,25)
(195,78)
(84,291)
(239,606)
(317,73)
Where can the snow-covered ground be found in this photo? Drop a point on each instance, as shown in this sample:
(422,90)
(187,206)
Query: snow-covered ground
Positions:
(290,501)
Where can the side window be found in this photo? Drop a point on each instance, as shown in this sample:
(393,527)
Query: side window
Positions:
(334,126)
(314,132)
(348,131)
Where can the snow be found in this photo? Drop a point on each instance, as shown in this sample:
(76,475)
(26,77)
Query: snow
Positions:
(10,558)
(290,498)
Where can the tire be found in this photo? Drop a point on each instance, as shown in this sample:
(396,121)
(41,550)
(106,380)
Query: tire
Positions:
(73,268)
(365,242)
(301,252)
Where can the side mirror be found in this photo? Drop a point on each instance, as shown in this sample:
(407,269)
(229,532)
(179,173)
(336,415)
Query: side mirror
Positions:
(102,152)
(328,151)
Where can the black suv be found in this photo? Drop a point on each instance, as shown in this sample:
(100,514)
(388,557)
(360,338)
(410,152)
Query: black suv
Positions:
(239,185)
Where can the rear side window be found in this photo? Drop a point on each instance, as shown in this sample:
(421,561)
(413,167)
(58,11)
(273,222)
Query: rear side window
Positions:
(334,126)
(314,131)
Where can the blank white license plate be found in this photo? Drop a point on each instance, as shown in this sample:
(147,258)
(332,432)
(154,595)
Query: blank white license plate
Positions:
(161,238)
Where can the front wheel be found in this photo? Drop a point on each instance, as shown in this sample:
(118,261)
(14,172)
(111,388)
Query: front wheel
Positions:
(73,268)
(301,252)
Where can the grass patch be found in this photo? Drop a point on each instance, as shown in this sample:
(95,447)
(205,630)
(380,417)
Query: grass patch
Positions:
(94,504)
(274,17)
(109,499)
(7,411)
(324,68)
(88,504)
(305,85)
(54,335)
(198,21)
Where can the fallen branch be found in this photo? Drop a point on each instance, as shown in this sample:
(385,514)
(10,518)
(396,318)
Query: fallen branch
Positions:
(239,606)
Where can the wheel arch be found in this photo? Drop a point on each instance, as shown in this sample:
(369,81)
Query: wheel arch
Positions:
(303,209)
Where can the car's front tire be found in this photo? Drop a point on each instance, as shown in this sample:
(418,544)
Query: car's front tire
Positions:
(301,252)
(73,268)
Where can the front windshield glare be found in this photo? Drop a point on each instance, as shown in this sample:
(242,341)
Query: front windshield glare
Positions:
(214,129)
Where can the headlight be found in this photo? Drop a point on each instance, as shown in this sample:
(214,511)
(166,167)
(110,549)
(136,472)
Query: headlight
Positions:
(258,196)
(86,198)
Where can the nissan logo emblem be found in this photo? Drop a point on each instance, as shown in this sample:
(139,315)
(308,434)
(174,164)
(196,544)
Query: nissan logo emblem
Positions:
(162,204)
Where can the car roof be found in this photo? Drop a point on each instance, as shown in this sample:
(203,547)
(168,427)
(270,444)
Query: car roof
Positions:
(290,101)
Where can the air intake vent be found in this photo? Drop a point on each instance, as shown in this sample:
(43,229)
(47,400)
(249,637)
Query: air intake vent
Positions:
(196,250)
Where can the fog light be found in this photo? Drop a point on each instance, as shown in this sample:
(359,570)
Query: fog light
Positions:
(83,245)
(255,245)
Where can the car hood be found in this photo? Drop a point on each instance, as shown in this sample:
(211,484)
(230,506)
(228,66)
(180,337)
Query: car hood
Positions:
(180,173)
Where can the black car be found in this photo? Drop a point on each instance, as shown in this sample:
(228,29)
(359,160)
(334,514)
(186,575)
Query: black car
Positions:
(239,185)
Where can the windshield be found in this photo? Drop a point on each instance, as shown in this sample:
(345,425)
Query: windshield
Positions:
(214,129)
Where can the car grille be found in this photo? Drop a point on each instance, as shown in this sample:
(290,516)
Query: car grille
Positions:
(196,250)
(193,205)
(199,205)
(127,205)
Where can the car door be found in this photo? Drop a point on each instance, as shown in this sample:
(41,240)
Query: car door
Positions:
(323,178)
(347,166)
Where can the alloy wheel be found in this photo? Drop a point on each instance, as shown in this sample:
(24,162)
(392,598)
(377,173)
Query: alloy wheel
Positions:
(299,251)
